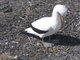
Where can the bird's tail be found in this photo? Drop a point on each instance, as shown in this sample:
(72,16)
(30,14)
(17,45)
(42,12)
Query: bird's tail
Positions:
(31,31)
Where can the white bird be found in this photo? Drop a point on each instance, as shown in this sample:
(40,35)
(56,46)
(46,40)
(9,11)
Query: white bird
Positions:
(47,26)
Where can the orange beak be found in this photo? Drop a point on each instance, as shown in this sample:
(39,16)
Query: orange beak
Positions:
(62,19)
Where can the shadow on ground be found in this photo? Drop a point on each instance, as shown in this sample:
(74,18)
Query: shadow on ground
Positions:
(63,39)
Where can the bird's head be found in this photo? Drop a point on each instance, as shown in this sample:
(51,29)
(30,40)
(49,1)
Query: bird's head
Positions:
(61,9)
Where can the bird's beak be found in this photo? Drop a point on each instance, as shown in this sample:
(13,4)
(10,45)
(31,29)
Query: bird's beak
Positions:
(62,19)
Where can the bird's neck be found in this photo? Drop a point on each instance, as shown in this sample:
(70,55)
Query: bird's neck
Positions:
(56,19)
(55,15)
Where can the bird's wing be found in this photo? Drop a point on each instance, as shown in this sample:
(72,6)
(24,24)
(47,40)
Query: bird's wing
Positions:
(43,24)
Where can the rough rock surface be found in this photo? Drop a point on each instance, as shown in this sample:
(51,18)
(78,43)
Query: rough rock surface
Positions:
(16,15)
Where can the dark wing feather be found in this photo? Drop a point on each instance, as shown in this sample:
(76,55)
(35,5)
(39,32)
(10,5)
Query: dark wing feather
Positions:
(38,31)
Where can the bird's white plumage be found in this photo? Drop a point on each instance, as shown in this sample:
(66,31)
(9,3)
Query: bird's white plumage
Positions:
(43,24)
(51,24)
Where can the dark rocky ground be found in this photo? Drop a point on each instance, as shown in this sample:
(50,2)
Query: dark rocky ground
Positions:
(16,15)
